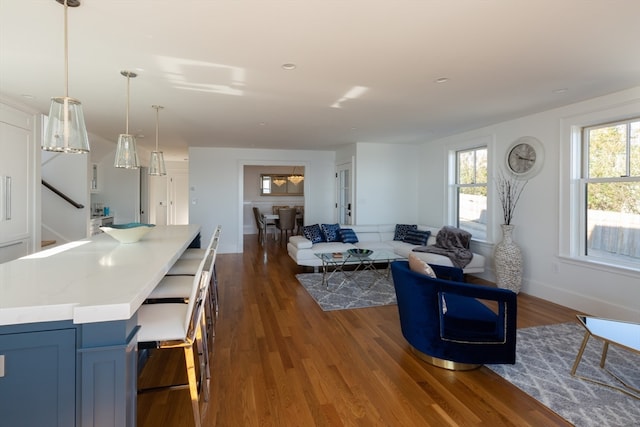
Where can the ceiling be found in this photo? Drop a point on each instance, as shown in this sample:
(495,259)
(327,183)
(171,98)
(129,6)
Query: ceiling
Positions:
(366,70)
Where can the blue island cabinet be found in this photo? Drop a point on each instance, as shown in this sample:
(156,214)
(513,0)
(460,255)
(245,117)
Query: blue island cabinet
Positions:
(38,378)
(60,374)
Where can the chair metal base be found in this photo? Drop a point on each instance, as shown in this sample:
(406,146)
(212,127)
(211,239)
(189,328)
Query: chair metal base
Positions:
(445,364)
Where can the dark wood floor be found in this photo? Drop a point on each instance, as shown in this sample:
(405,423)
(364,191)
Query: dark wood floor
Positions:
(278,360)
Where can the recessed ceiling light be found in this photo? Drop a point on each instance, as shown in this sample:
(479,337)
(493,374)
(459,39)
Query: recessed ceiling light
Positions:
(289,66)
(441,80)
(561,90)
(27,96)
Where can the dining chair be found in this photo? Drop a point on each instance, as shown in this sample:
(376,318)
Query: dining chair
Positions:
(286,222)
(299,218)
(180,325)
(275,208)
(262,225)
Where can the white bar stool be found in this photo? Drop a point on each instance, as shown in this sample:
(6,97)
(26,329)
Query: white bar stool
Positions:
(180,325)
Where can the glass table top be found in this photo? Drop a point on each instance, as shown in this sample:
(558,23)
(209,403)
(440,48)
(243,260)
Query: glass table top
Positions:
(623,333)
(376,255)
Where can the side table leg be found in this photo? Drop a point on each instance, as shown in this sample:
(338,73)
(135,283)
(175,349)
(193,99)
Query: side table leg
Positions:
(605,349)
(579,357)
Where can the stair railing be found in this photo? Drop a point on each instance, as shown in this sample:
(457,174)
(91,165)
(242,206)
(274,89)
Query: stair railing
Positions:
(62,195)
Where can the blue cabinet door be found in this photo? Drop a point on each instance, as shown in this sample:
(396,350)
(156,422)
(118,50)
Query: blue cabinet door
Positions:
(38,379)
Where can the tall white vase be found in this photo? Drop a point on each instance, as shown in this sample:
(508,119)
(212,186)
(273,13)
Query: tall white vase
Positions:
(507,258)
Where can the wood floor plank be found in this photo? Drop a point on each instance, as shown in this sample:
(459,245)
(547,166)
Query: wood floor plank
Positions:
(279,360)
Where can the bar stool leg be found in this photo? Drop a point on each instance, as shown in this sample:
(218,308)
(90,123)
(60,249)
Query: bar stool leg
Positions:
(193,385)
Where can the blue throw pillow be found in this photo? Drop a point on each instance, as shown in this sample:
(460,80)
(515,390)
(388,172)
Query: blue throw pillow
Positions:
(331,232)
(347,235)
(313,233)
(401,230)
(416,237)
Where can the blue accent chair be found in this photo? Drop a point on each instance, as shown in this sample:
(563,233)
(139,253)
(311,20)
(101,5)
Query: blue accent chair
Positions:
(446,324)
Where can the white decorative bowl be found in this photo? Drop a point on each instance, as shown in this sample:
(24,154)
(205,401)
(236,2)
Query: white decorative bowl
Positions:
(127,233)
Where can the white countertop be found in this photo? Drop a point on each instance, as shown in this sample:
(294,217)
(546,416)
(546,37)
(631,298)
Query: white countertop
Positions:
(92,280)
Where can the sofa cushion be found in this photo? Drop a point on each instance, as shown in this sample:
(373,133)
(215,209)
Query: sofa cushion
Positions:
(300,242)
(313,233)
(420,267)
(416,237)
(331,232)
(347,235)
(401,230)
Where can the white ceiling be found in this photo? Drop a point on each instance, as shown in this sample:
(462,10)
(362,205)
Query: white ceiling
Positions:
(366,69)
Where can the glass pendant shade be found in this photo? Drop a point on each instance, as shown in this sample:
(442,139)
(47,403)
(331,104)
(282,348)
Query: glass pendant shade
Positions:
(156,166)
(66,131)
(126,152)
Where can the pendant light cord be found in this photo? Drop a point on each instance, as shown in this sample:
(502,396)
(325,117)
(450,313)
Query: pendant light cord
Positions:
(157,107)
(66,51)
(128,75)
(126,127)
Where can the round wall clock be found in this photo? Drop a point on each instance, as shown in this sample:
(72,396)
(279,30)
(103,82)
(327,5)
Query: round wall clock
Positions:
(525,157)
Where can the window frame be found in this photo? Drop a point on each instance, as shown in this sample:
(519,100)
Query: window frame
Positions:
(451,203)
(585,180)
(572,197)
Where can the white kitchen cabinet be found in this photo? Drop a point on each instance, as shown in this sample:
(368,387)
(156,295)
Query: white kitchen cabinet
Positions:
(16,181)
(13,250)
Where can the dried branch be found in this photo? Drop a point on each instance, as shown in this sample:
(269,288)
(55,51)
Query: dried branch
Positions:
(509,191)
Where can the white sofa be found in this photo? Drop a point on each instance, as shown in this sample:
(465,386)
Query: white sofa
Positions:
(373,237)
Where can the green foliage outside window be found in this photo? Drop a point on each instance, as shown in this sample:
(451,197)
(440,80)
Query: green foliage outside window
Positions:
(614,153)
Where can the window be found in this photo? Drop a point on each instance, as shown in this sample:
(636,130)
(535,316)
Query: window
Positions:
(471,191)
(610,188)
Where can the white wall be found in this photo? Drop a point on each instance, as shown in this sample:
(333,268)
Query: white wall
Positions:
(216,185)
(605,291)
(386,183)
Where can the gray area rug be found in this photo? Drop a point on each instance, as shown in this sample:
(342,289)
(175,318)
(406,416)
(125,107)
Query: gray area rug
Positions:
(544,358)
(349,290)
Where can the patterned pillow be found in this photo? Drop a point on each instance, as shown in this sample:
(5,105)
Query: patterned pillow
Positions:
(401,230)
(313,233)
(347,235)
(416,237)
(419,266)
(331,232)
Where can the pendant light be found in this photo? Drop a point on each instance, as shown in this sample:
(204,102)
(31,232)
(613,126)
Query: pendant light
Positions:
(126,152)
(156,164)
(66,131)
(296,178)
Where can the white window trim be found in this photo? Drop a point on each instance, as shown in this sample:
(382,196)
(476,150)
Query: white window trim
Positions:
(451,200)
(570,245)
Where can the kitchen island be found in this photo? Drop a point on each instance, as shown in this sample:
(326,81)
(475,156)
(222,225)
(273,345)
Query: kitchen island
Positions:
(68,324)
